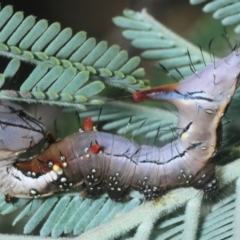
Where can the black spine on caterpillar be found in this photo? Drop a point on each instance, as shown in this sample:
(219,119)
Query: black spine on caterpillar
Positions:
(102,160)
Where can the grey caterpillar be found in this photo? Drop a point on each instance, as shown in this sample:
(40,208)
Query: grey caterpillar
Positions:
(102,160)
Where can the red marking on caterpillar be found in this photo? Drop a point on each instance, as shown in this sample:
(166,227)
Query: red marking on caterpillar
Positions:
(102,160)
(95,149)
(88,124)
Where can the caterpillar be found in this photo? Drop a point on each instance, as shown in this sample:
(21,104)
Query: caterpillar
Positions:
(18,131)
(100,160)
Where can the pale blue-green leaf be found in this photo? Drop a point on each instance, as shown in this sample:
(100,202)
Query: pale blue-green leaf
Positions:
(58,229)
(179,61)
(119,74)
(3,204)
(5,14)
(4,47)
(53,61)
(40,214)
(172,221)
(91,89)
(28,210)
(12,207)
(104,72)
(41,56)
(66,77)
(65,63)
(236,233)
(95,54)
(20,32)
(130,65)
(46,37)
(34,77)
(54,216)
(83,50)
(91,69)
(58,42)
(138,73)
(118,61)
(108,56)
(231,19)
(80,98)
(144,230)
(197,1)
(12,24)
(226,11)
(96,102)
(76,217)
(48,79)
(34,34)
(77,82)
(192,218)
(52,95)
(150,43)
(169,234)
(66,97)
(129,13)
(237,29)
(89,215)
(77,40)
(131,24)
(27,54)
(163,53)
(2,80)
(102,214)
(11,69)
(38,95)
(129,80)
(15,50)
(134,34)
(215,5)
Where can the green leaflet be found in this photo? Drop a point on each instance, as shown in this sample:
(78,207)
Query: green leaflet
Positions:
(58,59)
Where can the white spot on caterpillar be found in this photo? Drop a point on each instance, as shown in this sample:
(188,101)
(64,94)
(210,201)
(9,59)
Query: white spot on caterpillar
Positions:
(209,111)
(50,164)
(63,179)
(33,192)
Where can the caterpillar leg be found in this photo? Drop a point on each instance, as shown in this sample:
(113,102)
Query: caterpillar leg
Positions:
(206,180)
(92,191)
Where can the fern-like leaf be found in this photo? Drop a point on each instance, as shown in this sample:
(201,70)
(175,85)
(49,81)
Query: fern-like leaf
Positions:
(226,10)
(70,70)
(160,44)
